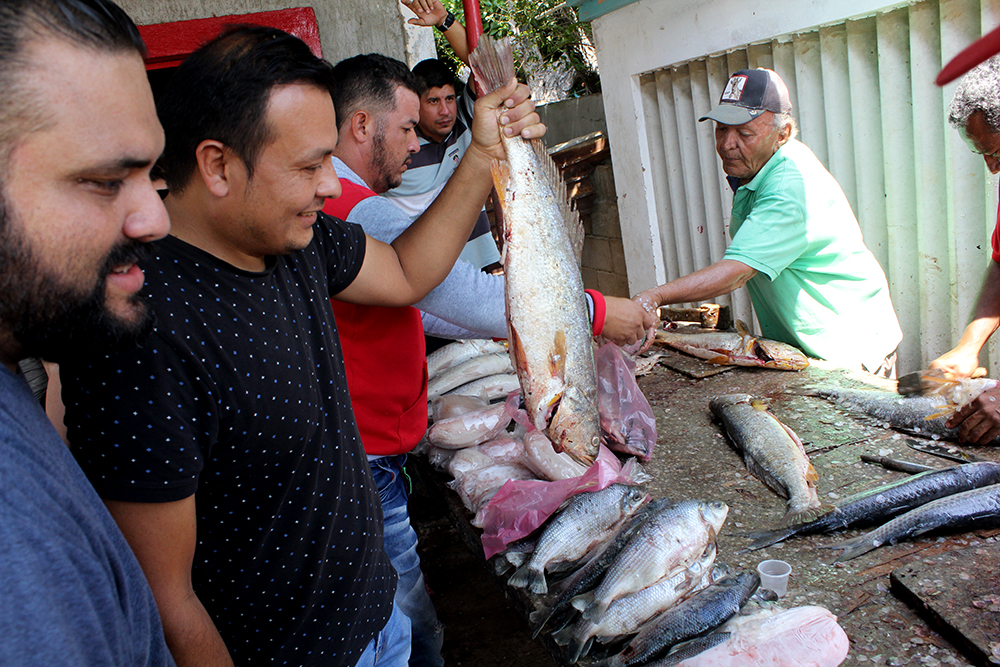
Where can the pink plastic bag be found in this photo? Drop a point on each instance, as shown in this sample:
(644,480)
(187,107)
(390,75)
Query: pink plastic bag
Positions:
(521,506)
(627,422)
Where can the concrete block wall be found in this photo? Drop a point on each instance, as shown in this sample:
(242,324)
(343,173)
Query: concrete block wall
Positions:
(603,265)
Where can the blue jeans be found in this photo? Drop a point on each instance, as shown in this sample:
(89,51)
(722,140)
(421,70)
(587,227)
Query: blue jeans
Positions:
(391,646)
(401,546)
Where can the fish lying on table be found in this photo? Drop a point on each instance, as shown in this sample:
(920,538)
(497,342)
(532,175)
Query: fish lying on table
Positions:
(773,454)
(548,326)
(923,415)
(960,512)
(587,520)
(736,348)
(885,502)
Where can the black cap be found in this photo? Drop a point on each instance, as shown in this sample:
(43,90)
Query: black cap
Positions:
(749,93)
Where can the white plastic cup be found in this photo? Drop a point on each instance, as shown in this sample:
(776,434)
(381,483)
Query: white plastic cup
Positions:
(774,576)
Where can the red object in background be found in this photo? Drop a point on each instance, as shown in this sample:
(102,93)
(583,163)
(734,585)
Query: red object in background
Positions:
(170,43)
(473,22)
(982,49)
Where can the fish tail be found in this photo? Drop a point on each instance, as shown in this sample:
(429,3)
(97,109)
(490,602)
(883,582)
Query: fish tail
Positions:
(795,517)
(564,636)
(538,619)
(767,538)
(525,577)
(595,610)
(578,648)
(581,602)
(853,547)
(492,62)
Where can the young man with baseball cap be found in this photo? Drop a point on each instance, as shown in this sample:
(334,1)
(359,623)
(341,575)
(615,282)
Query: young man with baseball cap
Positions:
(795,241)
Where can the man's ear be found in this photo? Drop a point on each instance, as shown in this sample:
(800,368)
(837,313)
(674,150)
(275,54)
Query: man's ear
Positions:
(214,166)
(784,134)
(362,126)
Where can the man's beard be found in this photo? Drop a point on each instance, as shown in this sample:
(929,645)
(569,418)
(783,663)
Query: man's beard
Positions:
(387,176)
(53,320)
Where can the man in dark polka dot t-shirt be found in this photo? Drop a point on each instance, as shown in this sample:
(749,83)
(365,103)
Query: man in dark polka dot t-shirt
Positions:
(225,445)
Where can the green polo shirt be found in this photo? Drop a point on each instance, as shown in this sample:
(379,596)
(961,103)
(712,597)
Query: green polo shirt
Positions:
(818,287)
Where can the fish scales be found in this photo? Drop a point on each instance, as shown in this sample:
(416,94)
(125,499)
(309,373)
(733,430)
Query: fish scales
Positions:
(629,612)
(885,502)
(672,538)
(588,519)
(772,452)
(591,573)
(707,609)
(547,320)
(923,415)
(975,509)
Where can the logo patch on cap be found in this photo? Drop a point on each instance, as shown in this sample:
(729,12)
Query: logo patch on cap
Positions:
(734,89)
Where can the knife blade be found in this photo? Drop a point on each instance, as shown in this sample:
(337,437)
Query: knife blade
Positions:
(949,452)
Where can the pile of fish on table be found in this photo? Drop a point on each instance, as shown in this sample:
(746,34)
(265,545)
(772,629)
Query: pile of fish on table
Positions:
(631,581)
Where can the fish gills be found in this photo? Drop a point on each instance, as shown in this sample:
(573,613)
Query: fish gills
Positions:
(548,324)
(773,454)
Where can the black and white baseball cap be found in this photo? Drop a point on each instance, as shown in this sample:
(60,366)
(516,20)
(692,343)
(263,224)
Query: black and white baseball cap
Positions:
(749,93)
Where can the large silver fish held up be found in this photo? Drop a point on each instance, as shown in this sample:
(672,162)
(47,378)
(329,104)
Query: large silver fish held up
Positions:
(547,322)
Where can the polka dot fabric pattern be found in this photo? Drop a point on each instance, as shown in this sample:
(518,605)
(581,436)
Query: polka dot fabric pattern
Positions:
(239,396)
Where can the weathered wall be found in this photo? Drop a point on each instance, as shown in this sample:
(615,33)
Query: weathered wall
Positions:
(572,118)
(346,27)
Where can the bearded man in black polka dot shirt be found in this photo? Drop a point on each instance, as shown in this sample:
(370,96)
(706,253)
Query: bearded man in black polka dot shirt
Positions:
(225,445)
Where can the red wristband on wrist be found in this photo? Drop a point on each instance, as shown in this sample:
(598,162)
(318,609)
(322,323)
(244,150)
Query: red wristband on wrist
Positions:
(600,310)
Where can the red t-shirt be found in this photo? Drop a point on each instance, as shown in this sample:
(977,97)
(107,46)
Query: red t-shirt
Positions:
(385,359)
(995,239)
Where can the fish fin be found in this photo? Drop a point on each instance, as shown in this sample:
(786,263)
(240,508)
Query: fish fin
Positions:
(759,404)
(811,474)
(564,636)
(853,547)
(501,177)
(742,328)
(767,538)
(492,62)
(578,649)
(804,516)
(595,610)
(581,602)
(557,360)
(526,577)
(502,566)
(539,618)
(516,351)
(554,179)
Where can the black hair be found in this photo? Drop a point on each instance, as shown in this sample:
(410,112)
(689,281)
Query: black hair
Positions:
(370,81)
(222,90)
(435,74)
(98,25)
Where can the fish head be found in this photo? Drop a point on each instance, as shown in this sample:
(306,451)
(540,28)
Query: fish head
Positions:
(632,498)
(575,426)
(714,513)
(775,354)
(718,404)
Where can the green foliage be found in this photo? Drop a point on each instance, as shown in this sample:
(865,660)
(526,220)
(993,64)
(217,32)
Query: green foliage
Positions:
(554,32)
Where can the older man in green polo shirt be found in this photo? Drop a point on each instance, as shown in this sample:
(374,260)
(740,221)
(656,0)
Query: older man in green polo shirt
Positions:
(795,241)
